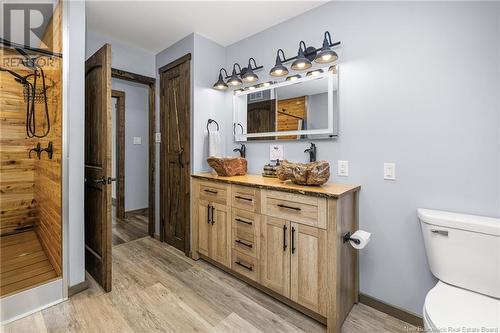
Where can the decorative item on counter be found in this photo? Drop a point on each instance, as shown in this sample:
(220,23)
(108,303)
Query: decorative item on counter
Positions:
(314,173)
(228,166)
(270,170)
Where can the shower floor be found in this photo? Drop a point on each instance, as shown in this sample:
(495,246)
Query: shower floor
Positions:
(23,262)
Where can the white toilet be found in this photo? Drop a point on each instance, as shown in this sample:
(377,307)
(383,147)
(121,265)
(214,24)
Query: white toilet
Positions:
(464,254)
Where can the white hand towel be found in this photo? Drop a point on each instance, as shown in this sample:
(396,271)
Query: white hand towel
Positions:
(214,144)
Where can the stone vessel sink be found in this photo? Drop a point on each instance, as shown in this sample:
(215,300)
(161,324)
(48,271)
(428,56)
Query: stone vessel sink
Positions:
(228,166)
(313,173)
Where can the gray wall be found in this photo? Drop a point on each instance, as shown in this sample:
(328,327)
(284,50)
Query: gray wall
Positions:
(419,86)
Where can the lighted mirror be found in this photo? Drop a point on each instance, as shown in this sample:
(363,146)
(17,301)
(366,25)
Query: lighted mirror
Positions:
(301,109)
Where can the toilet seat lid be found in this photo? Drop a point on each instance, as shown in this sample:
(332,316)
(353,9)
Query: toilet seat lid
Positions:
(449,306)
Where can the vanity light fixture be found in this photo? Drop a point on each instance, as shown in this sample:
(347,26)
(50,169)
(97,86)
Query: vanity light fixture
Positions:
(220,84)
(237,91)
(302,63)
(234,80)
(247,73)
(265,84)
(326,54)
(293,77)
(315,72)
(279,69)
(250,88)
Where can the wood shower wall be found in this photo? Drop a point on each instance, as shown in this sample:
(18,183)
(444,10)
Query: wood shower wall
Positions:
(31,188)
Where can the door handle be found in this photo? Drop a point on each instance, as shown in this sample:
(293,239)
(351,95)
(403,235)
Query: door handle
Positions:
(213,220)
(293,240)
(208,213)
(288,207)
(179,157)
(101,180)
(250,268)
(111,180)
(243,243)
(284,237)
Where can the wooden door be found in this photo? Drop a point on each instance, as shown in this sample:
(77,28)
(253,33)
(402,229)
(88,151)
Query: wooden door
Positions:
(261,117)
(308,267)
(275,255)
(175,154)
(204,226)
(98,166)
(220,235)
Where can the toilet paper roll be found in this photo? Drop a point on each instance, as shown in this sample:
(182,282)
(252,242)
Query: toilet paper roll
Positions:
(362,236)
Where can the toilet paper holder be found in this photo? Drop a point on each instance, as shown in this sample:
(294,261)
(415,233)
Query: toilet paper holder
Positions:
(347,238)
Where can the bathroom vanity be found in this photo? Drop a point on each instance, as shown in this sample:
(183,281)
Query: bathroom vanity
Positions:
(284,239)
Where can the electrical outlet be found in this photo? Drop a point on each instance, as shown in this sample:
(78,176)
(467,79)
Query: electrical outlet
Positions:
(343,168)
(390,171)
(276,152)
(158,137)
(137,140)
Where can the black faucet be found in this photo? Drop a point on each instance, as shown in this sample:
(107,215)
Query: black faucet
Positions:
(37,150)
(312,152)
(242,150)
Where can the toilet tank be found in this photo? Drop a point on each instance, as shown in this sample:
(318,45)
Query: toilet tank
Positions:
(463,250)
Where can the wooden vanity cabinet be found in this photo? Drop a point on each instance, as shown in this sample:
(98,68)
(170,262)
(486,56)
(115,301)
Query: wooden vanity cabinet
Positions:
(283,239)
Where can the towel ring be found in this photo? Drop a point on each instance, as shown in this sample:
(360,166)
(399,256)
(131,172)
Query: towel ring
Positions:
(235,125)
(212,121)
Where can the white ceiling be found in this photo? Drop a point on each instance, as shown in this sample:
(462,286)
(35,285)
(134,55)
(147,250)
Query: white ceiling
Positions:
(155,25)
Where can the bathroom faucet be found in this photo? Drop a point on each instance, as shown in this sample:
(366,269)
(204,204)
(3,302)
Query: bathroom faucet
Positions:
(242,150)
(312,152)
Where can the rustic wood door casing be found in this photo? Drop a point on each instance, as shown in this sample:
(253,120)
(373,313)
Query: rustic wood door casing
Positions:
(98,166)
(175,163)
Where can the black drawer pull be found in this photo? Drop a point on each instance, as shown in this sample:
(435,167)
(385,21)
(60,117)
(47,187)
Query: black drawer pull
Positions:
(210,191)
(243,243)
(208,213)
(243,198)
(293,240)
(213,220)
(250,268)
(289,207)
(284,237)
(243,221)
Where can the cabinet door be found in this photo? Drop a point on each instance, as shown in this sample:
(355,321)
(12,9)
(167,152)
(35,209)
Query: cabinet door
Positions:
(204,227)
(275,255)
(308,267)
(220,235)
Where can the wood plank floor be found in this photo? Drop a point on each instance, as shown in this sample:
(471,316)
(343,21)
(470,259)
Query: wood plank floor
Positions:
(134,226)
(157,289)
(23,263)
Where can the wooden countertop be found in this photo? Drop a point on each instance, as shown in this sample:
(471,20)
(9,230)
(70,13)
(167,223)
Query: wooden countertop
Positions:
(331,190)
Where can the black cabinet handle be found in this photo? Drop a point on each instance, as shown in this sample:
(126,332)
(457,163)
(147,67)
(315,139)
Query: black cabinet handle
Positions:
(243,243)
(208,213)
(243,198)
(243,221)
(284,237)
(293,239)
(250,268)
(289,207)
(213,209)
(210,191)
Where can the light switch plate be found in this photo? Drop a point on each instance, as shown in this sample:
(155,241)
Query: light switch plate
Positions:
(157,137)
(390,171)
(137,140)
(343,168)
(276,152)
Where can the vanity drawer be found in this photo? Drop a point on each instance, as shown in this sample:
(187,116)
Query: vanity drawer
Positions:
(245,197)
(245,265)
(245,232)
(299,208)
(214,192)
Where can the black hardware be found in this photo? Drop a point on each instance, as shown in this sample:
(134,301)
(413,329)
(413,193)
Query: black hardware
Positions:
(293,239)
(250,268)
(212,121)
(242,150)
(49,150)
(210,191)
(309,53)
(111,180)
(238,125)
(208,213)
(242,198)
(347,237)
(37,150)
(101,180)
(312,152)
(213,220)
(284,237)
(179,156)
(243,243)
(288,207)
(245,73)
(21,47)
(243,221)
